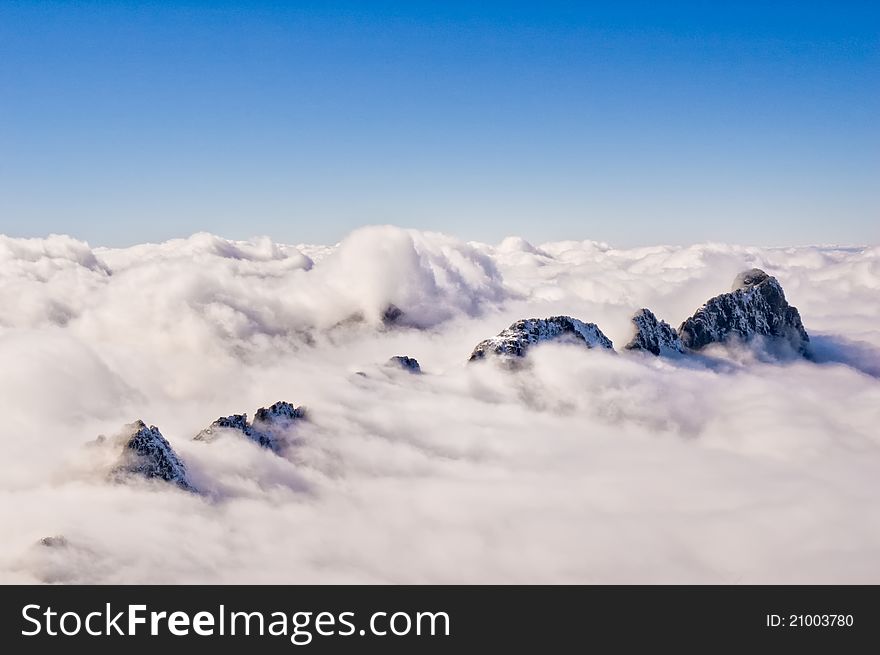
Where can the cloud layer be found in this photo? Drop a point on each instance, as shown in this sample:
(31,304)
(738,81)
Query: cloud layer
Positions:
(583,466)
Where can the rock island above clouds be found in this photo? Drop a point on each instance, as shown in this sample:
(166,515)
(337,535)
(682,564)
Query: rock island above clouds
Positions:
(585,465)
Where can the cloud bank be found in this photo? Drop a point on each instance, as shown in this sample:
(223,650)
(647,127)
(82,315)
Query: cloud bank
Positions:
(583,466)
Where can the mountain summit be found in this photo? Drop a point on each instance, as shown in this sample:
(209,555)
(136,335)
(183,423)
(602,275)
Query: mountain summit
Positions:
(653,335)
(148,454)
(269,429)
(516,340)
(755,307)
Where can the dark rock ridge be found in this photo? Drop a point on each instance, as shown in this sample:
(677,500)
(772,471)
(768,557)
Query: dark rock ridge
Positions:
(148,454)
(410,364)
(268,429)
(756,306)
(392,315)
(237,422)
(279,413)
(516,340)
(653,335)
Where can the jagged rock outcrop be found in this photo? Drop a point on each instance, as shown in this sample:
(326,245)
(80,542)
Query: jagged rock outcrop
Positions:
(755,307)
(279,414)
(653,335)
(392,315)
(236,422)
(269,428)
(410,364)
(146,453)
(516,340)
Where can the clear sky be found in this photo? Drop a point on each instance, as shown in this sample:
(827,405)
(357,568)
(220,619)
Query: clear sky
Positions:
(628,122)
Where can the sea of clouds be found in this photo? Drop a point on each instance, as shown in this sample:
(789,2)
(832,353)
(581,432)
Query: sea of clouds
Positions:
(583,466)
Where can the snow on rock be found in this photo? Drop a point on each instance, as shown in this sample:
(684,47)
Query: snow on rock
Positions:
(269,428)
(756,306)
(515,340)
(653,335)
(281,413)
(405,362)
(237,422)
(145,452)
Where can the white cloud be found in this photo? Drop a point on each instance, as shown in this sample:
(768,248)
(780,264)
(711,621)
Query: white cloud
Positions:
(582,467)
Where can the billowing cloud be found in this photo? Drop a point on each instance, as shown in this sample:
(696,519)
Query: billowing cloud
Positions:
(582,466)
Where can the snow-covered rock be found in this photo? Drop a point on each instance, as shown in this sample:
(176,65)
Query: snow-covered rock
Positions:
(269,429)
(515,340)
(234,422)
(756,306)
(145,452)
(653,335)
(410,364)
(280,414)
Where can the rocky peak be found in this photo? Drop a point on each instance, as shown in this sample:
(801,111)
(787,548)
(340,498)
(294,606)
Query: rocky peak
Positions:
(392,315)
(653,335)
(756,307)
(515,340)
(268,429)
(410,364)
(147,453)
(749,278)
(279,413)
(237,422)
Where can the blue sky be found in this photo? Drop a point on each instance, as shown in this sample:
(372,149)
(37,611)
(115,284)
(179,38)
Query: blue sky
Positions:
(628,122)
